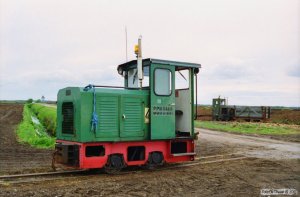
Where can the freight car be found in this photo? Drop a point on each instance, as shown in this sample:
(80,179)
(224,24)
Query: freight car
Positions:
(146,122)
(223,112)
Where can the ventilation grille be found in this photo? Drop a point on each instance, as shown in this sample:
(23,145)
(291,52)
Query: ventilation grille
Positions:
(134,115)
(68,118)
(107,110)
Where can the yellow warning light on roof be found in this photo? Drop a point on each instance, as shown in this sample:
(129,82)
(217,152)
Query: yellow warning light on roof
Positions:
(136,49)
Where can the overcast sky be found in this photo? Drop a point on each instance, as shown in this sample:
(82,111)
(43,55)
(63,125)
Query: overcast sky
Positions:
(249,50)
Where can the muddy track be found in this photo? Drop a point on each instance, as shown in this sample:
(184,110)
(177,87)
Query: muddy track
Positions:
(16,157)
(38,177)
(251,146)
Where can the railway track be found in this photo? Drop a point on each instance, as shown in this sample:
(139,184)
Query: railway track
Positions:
(70,174)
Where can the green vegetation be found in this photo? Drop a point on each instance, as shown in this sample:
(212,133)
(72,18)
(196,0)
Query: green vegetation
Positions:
(47,115)
(249,128)
(33,133)
(29,100)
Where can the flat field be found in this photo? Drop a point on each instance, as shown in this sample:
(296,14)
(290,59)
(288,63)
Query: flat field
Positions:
(286,132)
(14,156)
(268,164)
(278,115)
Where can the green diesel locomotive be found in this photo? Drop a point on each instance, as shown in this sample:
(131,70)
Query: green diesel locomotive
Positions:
(148,122)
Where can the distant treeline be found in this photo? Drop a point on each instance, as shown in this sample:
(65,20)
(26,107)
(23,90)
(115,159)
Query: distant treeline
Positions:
(25,101)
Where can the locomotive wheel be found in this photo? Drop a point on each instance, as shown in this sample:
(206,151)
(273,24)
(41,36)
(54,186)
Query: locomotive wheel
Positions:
(155,159)
(114,164)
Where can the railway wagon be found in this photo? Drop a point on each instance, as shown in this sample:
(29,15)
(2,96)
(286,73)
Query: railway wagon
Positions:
(147,122)
(222,111)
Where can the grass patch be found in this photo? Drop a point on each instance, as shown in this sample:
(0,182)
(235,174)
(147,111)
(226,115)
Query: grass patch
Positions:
(33,134)
(47,115)
(249,128)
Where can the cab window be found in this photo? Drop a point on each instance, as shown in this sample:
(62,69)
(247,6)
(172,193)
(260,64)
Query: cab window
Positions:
(133,80)
(162,82)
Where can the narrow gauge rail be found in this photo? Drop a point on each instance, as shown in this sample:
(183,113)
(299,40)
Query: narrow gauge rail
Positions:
(58,175)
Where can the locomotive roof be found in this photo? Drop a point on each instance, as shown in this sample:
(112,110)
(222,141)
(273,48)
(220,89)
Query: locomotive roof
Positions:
(148,61)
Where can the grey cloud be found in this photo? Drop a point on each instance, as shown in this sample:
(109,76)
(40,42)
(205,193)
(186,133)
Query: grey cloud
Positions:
(294,71)
(229,72)
(46,45)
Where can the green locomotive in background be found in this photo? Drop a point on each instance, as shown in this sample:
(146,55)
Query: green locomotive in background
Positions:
(221,111)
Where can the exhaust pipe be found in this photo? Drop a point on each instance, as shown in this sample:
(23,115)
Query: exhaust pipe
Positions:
(138,52)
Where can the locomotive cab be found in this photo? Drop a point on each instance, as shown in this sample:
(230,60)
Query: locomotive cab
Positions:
(149,121)
(171,87)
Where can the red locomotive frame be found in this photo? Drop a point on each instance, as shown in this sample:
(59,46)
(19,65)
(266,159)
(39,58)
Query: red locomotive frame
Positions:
(112,148)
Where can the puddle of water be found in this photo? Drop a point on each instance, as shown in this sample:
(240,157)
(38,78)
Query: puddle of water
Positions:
(35,120)
(39,134)
(40,131)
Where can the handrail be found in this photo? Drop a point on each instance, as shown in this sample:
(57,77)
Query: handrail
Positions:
(121,87)
(196,81)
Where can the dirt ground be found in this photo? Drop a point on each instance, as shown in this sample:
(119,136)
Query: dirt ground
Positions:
(271,164)
(16,157)
(286,116)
